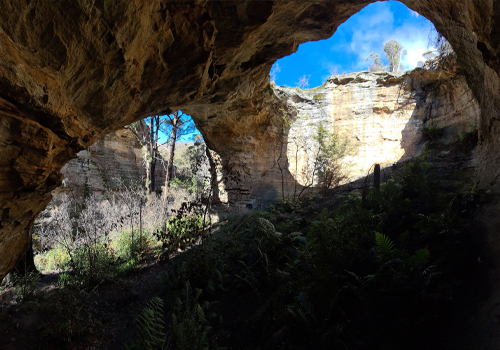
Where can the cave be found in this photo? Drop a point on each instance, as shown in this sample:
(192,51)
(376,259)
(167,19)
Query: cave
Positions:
(66,83)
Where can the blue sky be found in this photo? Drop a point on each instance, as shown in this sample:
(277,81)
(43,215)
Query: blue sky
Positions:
(354,40)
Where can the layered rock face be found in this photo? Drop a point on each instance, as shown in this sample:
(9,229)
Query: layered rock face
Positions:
(72,72)
(112,163)
(380,116)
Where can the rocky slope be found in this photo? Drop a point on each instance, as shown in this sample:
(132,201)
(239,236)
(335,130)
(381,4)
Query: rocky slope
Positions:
(380,115)
(71,73)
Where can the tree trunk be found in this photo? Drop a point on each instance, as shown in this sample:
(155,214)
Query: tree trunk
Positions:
(171,152)
(376,177)
(151,162)
(154,129)
(214,186)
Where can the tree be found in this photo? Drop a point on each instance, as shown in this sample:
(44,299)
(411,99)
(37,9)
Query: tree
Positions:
(147,132)
(176,124)
(376,66)
(154,129)
(192,167)
(393,51)
(303,82)
(333,71)
(329,164)
(439,42)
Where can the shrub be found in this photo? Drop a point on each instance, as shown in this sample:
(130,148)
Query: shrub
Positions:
(181,231)
(25,286)
(130,246)
(74,313)
(53,259)
(92,264)
(466,140)
(431,132)
(287,204)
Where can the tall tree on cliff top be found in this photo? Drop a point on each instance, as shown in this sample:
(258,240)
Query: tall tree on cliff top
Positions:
(377,65)
(394,51)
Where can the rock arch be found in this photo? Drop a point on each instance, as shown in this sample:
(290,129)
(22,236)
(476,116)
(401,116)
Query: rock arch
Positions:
(73,72)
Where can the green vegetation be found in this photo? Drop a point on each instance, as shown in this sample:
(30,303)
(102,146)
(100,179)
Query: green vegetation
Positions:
(53,259)
(374,273)
(151,325)
(381,269)
(329,167)
(25,286)
(432,132)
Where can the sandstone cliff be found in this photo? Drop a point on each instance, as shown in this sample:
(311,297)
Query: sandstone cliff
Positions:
(114,161)
(381,116)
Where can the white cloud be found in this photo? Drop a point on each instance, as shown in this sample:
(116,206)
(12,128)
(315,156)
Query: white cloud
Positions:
(382,16)
(414,40)
(377,28)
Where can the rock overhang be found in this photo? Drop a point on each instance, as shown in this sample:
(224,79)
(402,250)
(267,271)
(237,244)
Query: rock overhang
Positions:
(73,72)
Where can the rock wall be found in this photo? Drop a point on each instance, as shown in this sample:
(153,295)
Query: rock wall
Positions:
(114,161)
(72,72)
(379,115)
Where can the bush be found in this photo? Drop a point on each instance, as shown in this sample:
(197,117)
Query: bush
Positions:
(25,286)
(286,204)
(432,132)
(54,259)
(92,264)
(182,231)
(73,315)
(130,246)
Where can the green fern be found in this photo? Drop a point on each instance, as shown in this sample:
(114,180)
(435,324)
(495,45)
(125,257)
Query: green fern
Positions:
(385,247)
(189,327)
(151,325)
(420,257)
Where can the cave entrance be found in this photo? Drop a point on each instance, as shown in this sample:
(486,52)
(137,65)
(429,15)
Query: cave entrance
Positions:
(112,185)
(377,110)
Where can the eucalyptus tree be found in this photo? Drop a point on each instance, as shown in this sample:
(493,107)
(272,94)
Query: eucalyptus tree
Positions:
(394,51)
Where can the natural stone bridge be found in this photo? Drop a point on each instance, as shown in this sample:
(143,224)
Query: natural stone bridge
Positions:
(74,70)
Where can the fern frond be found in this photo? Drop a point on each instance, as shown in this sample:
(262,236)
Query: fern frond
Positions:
(385,246)
(189,327)
(151,325)
(420,257)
